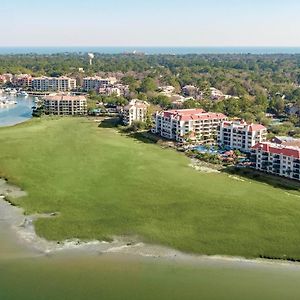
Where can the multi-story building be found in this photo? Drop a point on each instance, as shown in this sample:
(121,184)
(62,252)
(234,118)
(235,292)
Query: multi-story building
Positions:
(61,84)
(116,89)
(286,141)
(65,105)
(136,110)
(95,83)
(277,159)
(22,80)
(240,135)
(2,79)
(188,124)
(6,78)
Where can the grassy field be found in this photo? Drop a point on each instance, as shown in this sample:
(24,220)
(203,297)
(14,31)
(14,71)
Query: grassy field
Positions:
(105,184)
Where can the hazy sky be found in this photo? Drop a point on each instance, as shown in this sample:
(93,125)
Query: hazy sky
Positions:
(150,23)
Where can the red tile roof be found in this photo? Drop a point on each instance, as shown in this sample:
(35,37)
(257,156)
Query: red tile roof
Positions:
(278,149)
(256,127)
(192,114)
(242,124)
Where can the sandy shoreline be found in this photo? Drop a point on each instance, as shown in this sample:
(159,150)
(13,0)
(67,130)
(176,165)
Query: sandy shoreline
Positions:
(22,229)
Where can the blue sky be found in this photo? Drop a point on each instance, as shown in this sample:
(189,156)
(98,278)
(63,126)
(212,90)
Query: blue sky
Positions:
(150,23)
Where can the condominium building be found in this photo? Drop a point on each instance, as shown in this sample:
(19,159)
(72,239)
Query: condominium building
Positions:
(22,80)
(277,159)
(65,105)
(116,89)
(184,124)
(95,83)
(136,110)
(286,141)
(240,135)
(6,78)
(61,84)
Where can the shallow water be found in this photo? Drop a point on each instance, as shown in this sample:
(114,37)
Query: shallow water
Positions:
(18,113)
(26,273)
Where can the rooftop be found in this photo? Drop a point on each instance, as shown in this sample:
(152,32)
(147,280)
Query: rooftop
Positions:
(242,124)
(279,149)
(192,114)
(64,98)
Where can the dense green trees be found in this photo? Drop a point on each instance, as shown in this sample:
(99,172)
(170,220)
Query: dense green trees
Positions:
(260,83)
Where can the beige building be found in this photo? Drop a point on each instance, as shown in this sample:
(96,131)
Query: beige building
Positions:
(136,110)
(96,82)
(65,105)
(55,84)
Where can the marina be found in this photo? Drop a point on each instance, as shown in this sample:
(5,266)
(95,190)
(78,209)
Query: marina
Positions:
(15,107)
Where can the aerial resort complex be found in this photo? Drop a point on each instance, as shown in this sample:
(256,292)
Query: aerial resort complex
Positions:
(135,170)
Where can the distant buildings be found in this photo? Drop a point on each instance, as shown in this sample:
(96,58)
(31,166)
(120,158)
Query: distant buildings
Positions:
(116,89)
(212,93)
(95,83)
(22,80)
(293,109)
(65,105)
(286,141)
(241,136)
(192,91)
(136,110)
(61,84)
(167,90)
(216,94)
(6,78)
(184,124)
(277,159)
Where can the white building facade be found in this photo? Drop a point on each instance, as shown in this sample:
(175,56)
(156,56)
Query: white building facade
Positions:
(95,83)
(61,84)
(239,135)
(188,124)
(136,110)
(277,159)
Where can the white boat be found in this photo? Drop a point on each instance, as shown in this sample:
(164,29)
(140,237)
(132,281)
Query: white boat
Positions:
(4,101)
(22,94)
(13,92)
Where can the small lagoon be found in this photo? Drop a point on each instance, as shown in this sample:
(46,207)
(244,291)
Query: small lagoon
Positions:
(18,113)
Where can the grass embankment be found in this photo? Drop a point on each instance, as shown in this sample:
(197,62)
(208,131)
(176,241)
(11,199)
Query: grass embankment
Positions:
(105,184)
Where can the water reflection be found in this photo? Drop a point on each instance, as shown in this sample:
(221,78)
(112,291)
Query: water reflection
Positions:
(18,113)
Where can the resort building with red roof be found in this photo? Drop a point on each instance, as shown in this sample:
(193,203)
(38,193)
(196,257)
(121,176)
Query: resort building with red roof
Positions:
(277,159)
(188,124)
(239,135)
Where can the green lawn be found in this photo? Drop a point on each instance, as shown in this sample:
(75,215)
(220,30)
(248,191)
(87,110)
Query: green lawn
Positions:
(104,184)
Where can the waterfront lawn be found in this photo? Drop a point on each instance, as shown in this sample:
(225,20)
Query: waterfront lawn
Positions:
(104,184)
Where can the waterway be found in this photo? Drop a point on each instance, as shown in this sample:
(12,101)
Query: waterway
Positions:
(151,50)
(27,273)
(18,113)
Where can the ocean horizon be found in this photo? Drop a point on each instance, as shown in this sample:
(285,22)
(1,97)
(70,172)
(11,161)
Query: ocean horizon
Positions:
(151,50)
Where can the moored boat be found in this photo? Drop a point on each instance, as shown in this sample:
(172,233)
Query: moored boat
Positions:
(22,94)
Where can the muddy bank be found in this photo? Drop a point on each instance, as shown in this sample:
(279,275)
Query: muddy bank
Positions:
(21,229)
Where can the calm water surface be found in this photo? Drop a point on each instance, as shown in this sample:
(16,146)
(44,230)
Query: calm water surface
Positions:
(29,275)
(14,114)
